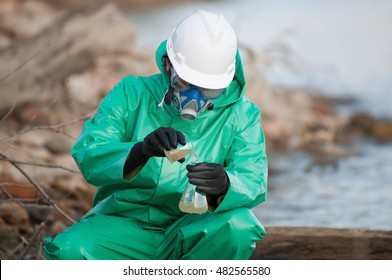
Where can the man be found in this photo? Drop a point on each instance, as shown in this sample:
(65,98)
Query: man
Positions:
(199,94)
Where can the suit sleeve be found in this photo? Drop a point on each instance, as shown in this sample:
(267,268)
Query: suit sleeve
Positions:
(102,147)
(246,163)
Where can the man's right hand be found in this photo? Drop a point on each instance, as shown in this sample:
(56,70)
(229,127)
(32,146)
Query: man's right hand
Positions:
(160,139)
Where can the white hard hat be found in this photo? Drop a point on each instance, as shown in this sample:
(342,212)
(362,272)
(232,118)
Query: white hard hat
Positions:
(202,50)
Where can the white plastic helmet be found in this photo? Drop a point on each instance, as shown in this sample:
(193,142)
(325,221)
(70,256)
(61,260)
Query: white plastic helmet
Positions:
(202,50)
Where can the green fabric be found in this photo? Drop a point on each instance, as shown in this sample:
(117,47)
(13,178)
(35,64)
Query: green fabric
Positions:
(190,237)
(230,135)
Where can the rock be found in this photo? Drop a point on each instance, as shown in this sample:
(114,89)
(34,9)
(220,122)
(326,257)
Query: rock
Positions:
(16,189)
(276,132)
(9,238)
(84,88)
(363,124)
(295,120)
(79,205)
(57,227)
(14,214)
(22,19)
(66,160)
(125,4)
(33,139)
(70,45)
(58,144)
(4,41)
(382,130)
(75,187)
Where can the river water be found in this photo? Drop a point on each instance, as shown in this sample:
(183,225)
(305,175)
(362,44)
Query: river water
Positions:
(337,47)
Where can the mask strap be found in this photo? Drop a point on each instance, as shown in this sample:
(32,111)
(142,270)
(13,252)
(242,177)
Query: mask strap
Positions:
(167,97)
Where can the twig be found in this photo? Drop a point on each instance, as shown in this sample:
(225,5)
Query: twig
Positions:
(33,238)
(40,189)
(17,248)
(40,256)
(37,206)
(9,195)
(14,184)
(8,113)
(23,63)
(55,127)
(41,165)
(25,203)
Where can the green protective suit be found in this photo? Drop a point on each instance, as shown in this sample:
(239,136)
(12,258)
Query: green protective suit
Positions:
(140,218)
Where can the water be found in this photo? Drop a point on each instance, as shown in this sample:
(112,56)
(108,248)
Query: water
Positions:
(193,202)
(339,48)
(354,194)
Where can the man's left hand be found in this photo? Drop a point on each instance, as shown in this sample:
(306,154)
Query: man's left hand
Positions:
(210,178)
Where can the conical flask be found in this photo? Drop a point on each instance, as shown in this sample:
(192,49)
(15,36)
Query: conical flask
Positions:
(192,201)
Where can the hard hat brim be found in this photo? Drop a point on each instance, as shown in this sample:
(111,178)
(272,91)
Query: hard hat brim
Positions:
(200,79)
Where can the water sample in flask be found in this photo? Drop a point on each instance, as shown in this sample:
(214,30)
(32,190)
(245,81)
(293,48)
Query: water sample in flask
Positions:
(192,201)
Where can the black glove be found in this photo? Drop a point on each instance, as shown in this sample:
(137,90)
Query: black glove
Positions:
(152,146)
(161,138)
(210,178)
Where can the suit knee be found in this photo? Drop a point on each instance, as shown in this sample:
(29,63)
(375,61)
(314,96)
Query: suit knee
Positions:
(62,247)
(243,227)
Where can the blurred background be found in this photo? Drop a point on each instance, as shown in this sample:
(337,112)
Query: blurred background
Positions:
(319,70)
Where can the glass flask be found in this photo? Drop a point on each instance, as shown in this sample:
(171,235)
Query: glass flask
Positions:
(191,201)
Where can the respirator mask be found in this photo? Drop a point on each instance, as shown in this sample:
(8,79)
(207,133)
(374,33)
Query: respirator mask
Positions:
(191,100)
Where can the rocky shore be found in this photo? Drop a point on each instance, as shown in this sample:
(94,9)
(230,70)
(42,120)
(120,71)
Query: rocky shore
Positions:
(57,61)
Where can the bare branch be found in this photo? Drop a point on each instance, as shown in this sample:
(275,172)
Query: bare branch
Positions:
(8,113)
(33,238)
(13,183)
(9,195)
(56,127)
(36,206)
(23,64)
(25,203)
(17,248)
(39,188)
(41,165)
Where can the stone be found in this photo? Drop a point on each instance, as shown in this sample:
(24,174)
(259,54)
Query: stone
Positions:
(14,214)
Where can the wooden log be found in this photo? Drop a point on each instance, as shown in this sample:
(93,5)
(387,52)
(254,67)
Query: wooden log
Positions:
(303,243)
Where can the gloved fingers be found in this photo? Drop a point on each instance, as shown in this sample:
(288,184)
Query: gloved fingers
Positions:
(200,167)
(202,174)
(207,190)
(210,178)
(163,137)
(181,138)
(172,136)
(202,182)
(175,137)
(153,142)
